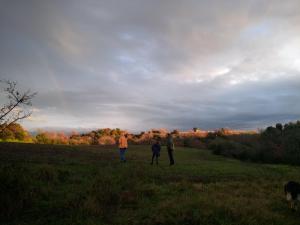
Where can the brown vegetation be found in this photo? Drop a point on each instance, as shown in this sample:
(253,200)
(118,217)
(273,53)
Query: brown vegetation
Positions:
(274,144)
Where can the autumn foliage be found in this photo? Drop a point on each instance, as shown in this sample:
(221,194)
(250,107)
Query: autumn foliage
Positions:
(15,132)
(273,144)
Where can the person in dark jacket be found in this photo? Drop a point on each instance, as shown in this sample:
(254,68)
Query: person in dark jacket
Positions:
(170,148)
(155,151)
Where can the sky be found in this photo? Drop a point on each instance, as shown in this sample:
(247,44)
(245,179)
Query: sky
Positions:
(140,64)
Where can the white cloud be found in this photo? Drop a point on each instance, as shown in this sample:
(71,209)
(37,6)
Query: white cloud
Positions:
(210,61)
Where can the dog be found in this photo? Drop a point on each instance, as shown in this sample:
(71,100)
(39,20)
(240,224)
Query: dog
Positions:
(292,193)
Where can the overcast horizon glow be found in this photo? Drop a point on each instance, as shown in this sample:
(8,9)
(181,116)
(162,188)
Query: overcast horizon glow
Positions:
(138,64)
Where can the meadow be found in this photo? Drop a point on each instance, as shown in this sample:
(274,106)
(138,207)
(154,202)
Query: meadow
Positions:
(58,184)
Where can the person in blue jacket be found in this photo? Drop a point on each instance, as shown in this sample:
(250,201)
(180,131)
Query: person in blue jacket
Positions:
(155,151)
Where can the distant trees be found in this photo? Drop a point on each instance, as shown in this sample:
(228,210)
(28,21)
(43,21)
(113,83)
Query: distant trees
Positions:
(279,144)
(106,140)
(42,138)
(282,143)
(17,106)
(275,144)
(223,132)
(279,126)
(52,138)
(175,132)
(291,142)
(77,139)
(196,129)
(104,136)
(14,132)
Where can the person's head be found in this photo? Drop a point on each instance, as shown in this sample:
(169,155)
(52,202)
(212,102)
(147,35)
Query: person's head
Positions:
(155,141)
(122,134)
(126,135)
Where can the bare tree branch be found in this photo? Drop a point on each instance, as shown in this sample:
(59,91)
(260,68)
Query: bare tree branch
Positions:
(18,105)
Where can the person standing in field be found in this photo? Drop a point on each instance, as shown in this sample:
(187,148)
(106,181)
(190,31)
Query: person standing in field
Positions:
(155,151)
(123,145)
(170,148)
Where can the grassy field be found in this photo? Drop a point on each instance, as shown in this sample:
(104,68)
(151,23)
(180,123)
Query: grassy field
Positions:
(42,184)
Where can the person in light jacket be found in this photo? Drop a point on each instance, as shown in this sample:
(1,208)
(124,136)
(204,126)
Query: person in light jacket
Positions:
(123,145)
(170,148)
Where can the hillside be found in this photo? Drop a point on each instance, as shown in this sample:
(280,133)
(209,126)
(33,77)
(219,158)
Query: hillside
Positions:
(57,184)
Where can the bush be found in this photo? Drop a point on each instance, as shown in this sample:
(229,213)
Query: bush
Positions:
(291,143)
(187,142)
(273,145)
(229,148)
(221,146)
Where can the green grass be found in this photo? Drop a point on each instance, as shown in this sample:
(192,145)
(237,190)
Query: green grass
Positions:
(47,184)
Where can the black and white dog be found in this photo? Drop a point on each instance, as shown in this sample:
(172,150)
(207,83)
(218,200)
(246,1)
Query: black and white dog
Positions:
(292,193)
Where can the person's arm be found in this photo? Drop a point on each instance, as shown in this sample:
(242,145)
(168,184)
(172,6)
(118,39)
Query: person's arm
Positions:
(119,142)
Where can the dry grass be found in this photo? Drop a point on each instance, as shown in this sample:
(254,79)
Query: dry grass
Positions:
(45,184)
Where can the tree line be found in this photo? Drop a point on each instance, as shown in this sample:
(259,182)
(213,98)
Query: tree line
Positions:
(278,144)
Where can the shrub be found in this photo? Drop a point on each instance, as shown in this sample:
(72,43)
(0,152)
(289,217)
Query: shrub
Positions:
(291,143)
(220,146)
(228,148)
(187,142)
(273,145)
(193,142)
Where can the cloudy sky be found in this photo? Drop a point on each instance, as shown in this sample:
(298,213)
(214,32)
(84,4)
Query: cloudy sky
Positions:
(140,64)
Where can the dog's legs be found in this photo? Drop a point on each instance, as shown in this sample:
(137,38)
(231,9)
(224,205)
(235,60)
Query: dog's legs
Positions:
(294,205)
(291,205)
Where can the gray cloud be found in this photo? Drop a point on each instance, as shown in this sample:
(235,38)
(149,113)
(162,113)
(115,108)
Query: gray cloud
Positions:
(139,64)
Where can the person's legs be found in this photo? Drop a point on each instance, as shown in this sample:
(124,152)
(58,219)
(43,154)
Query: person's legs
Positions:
(171,158)
(169,154)
(152,158)
(122,154)
(156,159)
